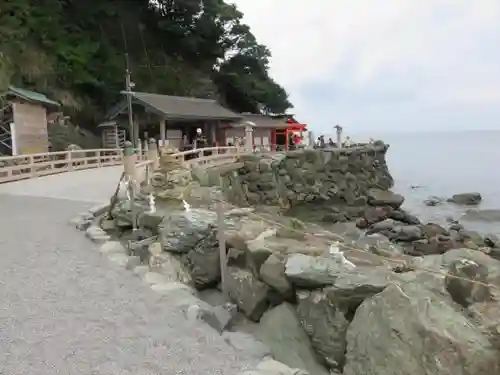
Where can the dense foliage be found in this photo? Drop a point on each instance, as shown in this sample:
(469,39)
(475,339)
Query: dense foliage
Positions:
(74,51)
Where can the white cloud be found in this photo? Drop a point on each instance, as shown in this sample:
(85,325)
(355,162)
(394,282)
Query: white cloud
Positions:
(437,49)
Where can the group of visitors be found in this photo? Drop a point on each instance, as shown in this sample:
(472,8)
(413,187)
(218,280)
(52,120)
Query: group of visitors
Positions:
(321,143)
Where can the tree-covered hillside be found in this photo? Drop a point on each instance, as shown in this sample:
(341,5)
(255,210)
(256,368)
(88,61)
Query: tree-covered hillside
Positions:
(74,51)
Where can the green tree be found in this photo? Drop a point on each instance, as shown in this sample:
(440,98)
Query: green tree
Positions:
(75,52)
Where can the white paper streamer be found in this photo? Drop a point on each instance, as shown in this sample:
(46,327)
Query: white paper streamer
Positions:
(335,252)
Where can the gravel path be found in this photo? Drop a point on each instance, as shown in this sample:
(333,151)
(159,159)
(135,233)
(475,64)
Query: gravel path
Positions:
(65,310)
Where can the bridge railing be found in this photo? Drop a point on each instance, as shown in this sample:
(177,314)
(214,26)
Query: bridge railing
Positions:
(14,168)
(210,156)
(202,157)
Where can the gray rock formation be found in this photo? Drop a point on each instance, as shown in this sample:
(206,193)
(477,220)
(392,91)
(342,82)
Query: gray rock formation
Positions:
(408,329)
(280,329)
(336,175)
(180,231)
(325,324)
(466,199)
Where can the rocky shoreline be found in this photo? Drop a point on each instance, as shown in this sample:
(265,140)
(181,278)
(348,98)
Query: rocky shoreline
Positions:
(386,294)
(293,300)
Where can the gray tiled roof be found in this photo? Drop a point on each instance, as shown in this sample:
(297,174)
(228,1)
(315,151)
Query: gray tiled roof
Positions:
(263,121)
(184,108)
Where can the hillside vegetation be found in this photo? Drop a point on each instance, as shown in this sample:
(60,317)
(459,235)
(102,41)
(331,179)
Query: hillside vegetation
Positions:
(74,51)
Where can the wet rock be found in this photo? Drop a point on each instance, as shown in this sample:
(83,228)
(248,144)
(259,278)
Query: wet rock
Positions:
(467,282)
(382,226)
(280,329)
(470,235)
(433,246)
(272,273)
(249,293)
(431,230)
(404,217)
(204,261)
(466,199)
(433,201)
(492,240)
(378,197)
(376,214)
(490,216)
(180,231)
(325,325)
(409,233)
(415,332)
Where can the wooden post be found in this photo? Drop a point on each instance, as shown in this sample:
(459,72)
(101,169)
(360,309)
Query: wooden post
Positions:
(70,160)
(153,152)
(221,236)
(163,133)
(129,160)
(139,150)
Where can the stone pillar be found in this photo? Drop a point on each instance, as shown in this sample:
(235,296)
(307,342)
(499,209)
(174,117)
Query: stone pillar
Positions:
(163,133)
(248,138)
(339,135)
(153,152)
(129,159)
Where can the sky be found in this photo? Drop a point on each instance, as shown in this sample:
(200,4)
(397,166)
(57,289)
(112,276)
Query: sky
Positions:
(389,65)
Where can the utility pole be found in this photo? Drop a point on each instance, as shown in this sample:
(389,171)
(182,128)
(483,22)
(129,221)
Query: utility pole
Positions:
(128,86)
(132,186)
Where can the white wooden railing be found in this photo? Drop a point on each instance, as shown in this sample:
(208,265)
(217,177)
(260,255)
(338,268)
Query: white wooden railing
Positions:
(14,168)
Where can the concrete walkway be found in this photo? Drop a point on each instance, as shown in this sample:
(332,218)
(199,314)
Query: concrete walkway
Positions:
(65,310)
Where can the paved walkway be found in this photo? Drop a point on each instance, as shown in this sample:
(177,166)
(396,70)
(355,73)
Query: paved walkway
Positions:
(65,310)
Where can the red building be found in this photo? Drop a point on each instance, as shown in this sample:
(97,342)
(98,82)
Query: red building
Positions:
(269,132)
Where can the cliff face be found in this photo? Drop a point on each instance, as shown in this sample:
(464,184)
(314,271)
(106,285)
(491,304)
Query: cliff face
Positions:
(336,176)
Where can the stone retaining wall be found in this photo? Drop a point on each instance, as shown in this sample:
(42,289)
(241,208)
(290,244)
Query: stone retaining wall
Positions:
(340,175)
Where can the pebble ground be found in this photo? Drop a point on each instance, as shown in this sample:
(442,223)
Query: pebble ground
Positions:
(64,309)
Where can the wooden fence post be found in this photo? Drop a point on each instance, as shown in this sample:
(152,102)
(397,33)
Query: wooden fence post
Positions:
(221,236)
(129,160)
(153,153)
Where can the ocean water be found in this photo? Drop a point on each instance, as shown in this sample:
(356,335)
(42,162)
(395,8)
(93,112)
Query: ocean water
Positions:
(443,164)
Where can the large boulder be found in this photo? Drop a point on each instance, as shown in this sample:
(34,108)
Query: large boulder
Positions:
(466,199)
(272,272)
(250,294)
(204,261)
(325,324)
(379,197)
(408,329)
(280,329)
(312,272)
(467,282)
(180,231)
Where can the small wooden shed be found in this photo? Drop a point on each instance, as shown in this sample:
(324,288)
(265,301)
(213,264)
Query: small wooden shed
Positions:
(23,121)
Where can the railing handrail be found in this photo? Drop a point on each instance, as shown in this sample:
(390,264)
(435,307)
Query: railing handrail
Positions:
(19,167)
(56,153)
